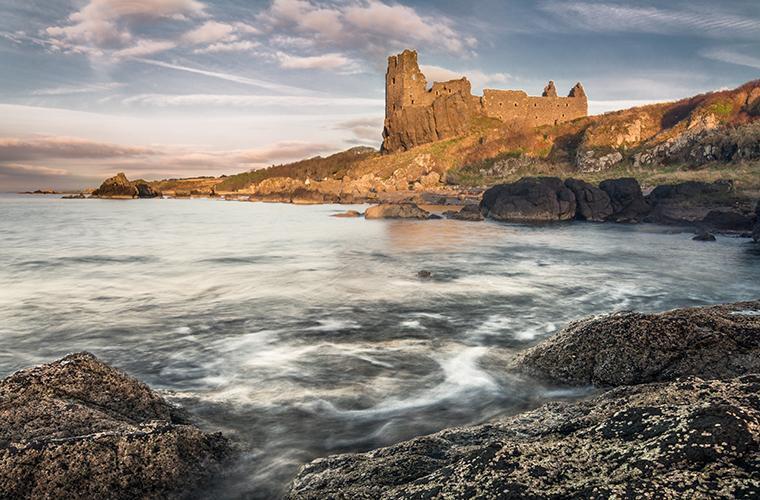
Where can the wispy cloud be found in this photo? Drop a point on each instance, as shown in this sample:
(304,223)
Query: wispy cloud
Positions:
(243,80)
(78,89)
(366,130)
(694,19)
(16,149)
(331,61)
(243,100)
(731,56)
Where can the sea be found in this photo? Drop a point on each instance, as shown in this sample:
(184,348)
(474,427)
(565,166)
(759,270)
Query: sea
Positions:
(299,335)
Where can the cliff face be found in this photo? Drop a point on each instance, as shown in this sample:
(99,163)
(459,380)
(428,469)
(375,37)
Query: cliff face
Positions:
(417,115)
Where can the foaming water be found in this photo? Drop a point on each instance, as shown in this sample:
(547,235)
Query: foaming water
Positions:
(300,335)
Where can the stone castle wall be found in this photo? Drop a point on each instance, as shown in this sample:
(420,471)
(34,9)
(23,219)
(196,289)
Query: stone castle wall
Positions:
(417,115)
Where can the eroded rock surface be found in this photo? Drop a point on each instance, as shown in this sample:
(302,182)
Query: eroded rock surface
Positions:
(78,428)
(634,348)
(685,439)
(119,186)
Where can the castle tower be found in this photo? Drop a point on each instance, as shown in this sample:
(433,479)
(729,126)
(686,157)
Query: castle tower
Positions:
(405,84)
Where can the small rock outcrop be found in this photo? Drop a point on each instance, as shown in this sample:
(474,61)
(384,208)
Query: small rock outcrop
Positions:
(529,199)
(728,220)
(704,236)
(119,186)
(78,428)
(592,203)
(399,211)
(634,348)
(627,199)
(348,214)
(468,213)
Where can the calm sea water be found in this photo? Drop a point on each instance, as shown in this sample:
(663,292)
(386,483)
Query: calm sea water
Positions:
(301,335)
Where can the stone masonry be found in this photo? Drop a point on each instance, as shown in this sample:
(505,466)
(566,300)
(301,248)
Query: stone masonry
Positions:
(416,114)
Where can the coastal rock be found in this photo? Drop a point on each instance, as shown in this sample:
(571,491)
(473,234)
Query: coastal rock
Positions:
(78,196)
(686,439)
(756,231)
(688,202)
(628,203)
(78,428)
(727,220)
(145,190)
(399,211)
(704,236)
(529,199)
(592,203)
(117,186)
(468,213)
(633,348)
(349,214)
(597,161)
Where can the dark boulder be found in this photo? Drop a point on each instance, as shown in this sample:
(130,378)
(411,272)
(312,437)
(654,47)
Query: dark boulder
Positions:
(399,211)
(627,199)
(692,190)
(704,236)
(592,203)
(529,199)
(77,428)
(756,231)
(467,213)
(728,220)
(684,439)
(633,348)
(145,190)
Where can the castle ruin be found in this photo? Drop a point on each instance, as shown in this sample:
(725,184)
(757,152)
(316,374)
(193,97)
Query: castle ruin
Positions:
(416,114)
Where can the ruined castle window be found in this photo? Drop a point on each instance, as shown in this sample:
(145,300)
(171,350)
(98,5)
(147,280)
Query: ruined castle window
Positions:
(515,104)
(393,81)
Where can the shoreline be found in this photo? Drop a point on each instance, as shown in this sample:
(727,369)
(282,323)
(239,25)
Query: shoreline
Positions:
(643,398)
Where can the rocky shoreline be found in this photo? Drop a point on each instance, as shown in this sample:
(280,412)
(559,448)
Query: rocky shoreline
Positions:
(680,420)
(675,413)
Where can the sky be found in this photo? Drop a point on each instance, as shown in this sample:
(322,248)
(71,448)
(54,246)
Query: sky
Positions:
(178,88)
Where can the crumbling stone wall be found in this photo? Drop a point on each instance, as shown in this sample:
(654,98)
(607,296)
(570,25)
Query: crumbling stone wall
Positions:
(417,115)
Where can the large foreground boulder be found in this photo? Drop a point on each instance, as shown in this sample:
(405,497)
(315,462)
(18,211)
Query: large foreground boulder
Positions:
(397,211)
(592,203)
(529,199)
(685,439)
(78,428)
(627,199)
(689,202)
(633,348)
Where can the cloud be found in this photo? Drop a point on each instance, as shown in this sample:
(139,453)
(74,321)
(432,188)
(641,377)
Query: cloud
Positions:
(210,32)
(478,78)
(697,20)
(244,100)
(732,57)
(101,26)
(18,169)
(325,61)
(78,89)
(144,48)
(241,46)
(15,149)
(365,130)
(371,27)
(282,151)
